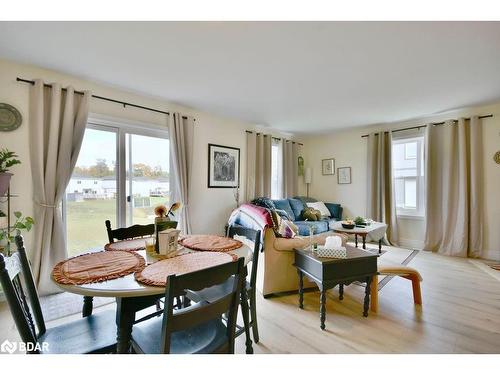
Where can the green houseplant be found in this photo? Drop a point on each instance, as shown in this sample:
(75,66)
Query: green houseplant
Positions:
(7,234)
(7,160)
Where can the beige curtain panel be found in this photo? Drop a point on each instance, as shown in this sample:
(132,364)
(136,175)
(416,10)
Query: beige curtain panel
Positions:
(57,125)
(290,177)
(454,194)
(380,193)
(181,133)
(258,166)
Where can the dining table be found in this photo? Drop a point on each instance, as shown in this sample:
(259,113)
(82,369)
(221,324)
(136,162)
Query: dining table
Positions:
(132,296)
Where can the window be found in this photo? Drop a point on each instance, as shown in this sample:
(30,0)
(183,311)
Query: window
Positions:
(121,174)
(276,168)
(408,174)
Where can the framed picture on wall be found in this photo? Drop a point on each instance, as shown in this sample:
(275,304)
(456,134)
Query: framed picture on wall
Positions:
(328,166)
(223,166)
(344,175)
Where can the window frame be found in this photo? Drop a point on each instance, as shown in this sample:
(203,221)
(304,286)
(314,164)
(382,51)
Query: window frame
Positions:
(419,211)
(121,127)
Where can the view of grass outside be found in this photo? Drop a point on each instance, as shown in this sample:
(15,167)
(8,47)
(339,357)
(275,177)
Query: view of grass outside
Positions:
(85,222)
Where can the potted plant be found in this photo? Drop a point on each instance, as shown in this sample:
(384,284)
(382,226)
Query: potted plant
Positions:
(7,160)
(7,234)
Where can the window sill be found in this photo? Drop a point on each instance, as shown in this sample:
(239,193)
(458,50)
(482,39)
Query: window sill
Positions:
(410,217)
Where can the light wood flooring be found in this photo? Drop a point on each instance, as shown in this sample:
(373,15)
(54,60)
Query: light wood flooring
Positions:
(460,314)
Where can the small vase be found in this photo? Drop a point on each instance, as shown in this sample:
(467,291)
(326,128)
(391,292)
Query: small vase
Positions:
(4,182)
(162,223)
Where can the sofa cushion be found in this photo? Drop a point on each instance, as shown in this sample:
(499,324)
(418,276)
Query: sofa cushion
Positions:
(317,226)
(335,210)
(297,207)
(305,199)
(284,204)
(264,202)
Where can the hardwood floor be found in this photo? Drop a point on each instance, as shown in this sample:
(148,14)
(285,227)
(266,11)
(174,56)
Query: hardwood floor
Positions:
(460,314)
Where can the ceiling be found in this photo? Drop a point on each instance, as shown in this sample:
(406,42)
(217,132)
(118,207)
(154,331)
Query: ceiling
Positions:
(300,77)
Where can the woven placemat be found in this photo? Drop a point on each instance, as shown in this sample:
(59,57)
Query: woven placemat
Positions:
(129,245)
(210,242)
(156,273)
(97,267)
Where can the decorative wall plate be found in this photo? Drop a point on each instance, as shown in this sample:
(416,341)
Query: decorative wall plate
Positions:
(10,118)
(496,157)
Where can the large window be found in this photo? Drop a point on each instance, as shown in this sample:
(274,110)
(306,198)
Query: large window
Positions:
(408,172)
(121,174)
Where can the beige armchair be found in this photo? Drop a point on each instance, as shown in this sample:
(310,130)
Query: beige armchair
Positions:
(276,272)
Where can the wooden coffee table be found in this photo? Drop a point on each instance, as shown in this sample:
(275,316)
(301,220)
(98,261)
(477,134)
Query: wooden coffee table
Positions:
(375,228)
(360,265)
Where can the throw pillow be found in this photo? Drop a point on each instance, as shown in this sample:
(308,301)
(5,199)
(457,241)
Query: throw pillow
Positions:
(282,227)
(320,206)
(311,214)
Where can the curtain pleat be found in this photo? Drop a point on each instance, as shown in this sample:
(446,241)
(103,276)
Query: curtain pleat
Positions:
(181,132)
(57,125)
(290,178)
(258,166)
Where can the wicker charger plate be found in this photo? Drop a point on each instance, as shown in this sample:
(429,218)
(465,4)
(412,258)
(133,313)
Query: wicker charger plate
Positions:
(210,242)
(130,245)
(156,273)
(97,267)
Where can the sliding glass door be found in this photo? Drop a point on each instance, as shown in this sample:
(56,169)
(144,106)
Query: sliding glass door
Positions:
(121,174)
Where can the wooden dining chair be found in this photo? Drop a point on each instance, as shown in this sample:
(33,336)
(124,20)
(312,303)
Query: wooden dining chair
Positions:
(95,334)
(211,294)
(198,328)
(134,231)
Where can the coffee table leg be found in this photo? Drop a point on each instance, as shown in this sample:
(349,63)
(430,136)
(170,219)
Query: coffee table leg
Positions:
(380,246)
(301,289)
(356,240)
(341,292)
(366,304)
(322,308)
(364,242)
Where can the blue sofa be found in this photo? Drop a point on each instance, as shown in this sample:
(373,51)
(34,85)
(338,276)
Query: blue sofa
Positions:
(294,207)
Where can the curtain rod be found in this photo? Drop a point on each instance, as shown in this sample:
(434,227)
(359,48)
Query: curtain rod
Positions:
(276,138)
(125,104)
(423,126)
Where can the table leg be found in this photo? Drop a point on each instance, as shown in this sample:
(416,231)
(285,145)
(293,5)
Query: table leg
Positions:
(341,292)
(246,319)
(356,240)
(366,304)
(364,242)
(380,246)
(322,308)
(87,306)
(301,289)
(125,317)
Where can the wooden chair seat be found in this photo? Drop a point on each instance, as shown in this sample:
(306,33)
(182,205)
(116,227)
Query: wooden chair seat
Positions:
(209,337)
(94,334)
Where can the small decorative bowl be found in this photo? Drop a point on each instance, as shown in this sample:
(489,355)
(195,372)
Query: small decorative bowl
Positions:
(348,226)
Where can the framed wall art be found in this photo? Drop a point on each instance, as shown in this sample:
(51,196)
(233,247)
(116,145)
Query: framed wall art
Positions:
(223,166)
(328,166)
(344,175)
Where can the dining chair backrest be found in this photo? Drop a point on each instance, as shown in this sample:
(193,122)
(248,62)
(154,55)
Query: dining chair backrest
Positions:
(21,306)
(133,231)
(253,236)
(203,312)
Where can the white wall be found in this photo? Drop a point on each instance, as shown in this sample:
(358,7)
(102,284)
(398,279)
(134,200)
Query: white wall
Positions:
(209,208)
(349,150)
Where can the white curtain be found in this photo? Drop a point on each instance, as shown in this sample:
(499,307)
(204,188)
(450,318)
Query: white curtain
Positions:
(259,165)
(380,192)
(290,177)
(454,188)
(181,132)
(57,124)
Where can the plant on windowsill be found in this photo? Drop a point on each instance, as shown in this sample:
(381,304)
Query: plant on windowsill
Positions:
(7,234)
(7,160)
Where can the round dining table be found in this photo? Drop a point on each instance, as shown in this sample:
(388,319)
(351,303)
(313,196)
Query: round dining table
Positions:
(132,296)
